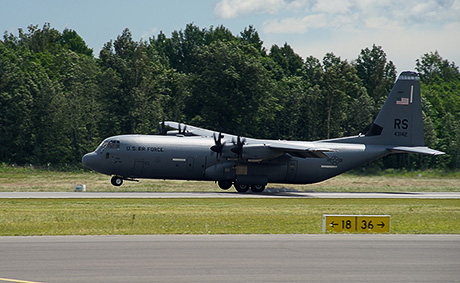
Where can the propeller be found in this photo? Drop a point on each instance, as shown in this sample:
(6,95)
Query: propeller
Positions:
(182,132)
(218,145)
(238,146)
(162,128)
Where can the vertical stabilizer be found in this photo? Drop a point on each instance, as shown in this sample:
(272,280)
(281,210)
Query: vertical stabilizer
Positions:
(400,120)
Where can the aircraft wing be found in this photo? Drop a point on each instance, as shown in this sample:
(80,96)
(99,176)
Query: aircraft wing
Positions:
(256,150)
(416,149)
(191,130)
(301,150)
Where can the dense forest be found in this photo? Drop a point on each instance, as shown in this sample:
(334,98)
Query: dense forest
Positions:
(58,100)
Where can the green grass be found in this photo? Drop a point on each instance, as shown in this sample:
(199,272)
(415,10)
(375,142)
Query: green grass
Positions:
(30,179)
(215,216)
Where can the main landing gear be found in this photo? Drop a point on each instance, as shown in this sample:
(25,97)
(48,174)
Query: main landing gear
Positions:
(241,188)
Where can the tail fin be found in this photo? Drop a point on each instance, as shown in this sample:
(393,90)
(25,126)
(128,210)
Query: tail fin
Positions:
(399,124)
(400,121)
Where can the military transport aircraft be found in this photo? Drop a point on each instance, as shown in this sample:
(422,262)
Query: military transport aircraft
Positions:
(192,153)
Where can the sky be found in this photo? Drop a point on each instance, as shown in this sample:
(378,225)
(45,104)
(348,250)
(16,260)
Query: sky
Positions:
(406,30)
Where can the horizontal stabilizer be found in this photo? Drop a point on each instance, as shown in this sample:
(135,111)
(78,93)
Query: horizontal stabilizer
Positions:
(415,149)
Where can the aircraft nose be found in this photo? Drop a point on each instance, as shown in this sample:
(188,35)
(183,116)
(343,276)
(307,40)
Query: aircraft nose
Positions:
(91,161)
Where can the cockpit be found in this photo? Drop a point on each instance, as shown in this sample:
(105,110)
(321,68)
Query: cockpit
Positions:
(108,144)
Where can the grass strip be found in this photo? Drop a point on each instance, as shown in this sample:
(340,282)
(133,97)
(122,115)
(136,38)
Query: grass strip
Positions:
(215,216)
(51,181)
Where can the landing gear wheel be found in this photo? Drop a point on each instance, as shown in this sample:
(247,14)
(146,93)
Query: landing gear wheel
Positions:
(257,188)
(224,185)
(116,181)
(241,188)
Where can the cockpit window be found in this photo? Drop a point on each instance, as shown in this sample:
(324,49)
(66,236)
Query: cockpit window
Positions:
(104,144)
(110,144)
(114,144)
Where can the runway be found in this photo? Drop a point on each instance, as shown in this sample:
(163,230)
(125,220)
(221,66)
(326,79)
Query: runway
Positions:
(223,194)
(232,258)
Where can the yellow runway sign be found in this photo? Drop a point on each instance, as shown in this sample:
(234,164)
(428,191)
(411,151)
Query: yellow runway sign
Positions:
(356,223)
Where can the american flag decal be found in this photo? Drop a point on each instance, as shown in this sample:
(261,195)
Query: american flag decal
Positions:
(403,101)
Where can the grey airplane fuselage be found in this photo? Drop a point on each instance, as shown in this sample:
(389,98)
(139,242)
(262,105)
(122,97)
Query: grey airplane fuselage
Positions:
(190,158)
(200,154)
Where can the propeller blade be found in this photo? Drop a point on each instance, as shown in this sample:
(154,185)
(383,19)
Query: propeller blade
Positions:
(238,146)
(218,145)
(162,128)
(181,131)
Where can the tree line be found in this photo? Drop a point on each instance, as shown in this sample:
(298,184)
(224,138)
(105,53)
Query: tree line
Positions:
(59,101)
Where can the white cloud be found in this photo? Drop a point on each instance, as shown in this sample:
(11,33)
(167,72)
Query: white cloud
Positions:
(412,12)
(295,25)
(375,22)
(347,13)
(332,6)
(228,9)
(288,25)
(301,25)
(402,46)
(405,29)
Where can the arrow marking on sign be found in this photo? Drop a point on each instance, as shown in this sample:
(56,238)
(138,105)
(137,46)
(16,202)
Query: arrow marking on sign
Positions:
(381,225)
(333,224)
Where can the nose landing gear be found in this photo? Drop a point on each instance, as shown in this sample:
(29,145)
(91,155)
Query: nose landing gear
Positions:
(118,181)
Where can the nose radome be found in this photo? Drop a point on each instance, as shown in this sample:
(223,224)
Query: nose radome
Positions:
(91,161)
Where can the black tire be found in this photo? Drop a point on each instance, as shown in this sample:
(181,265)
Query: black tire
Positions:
(116,181)
(257,188)
(224,185)
(241,188)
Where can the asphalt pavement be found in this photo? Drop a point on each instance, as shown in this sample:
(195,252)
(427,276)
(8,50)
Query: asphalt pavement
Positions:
(231,258)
